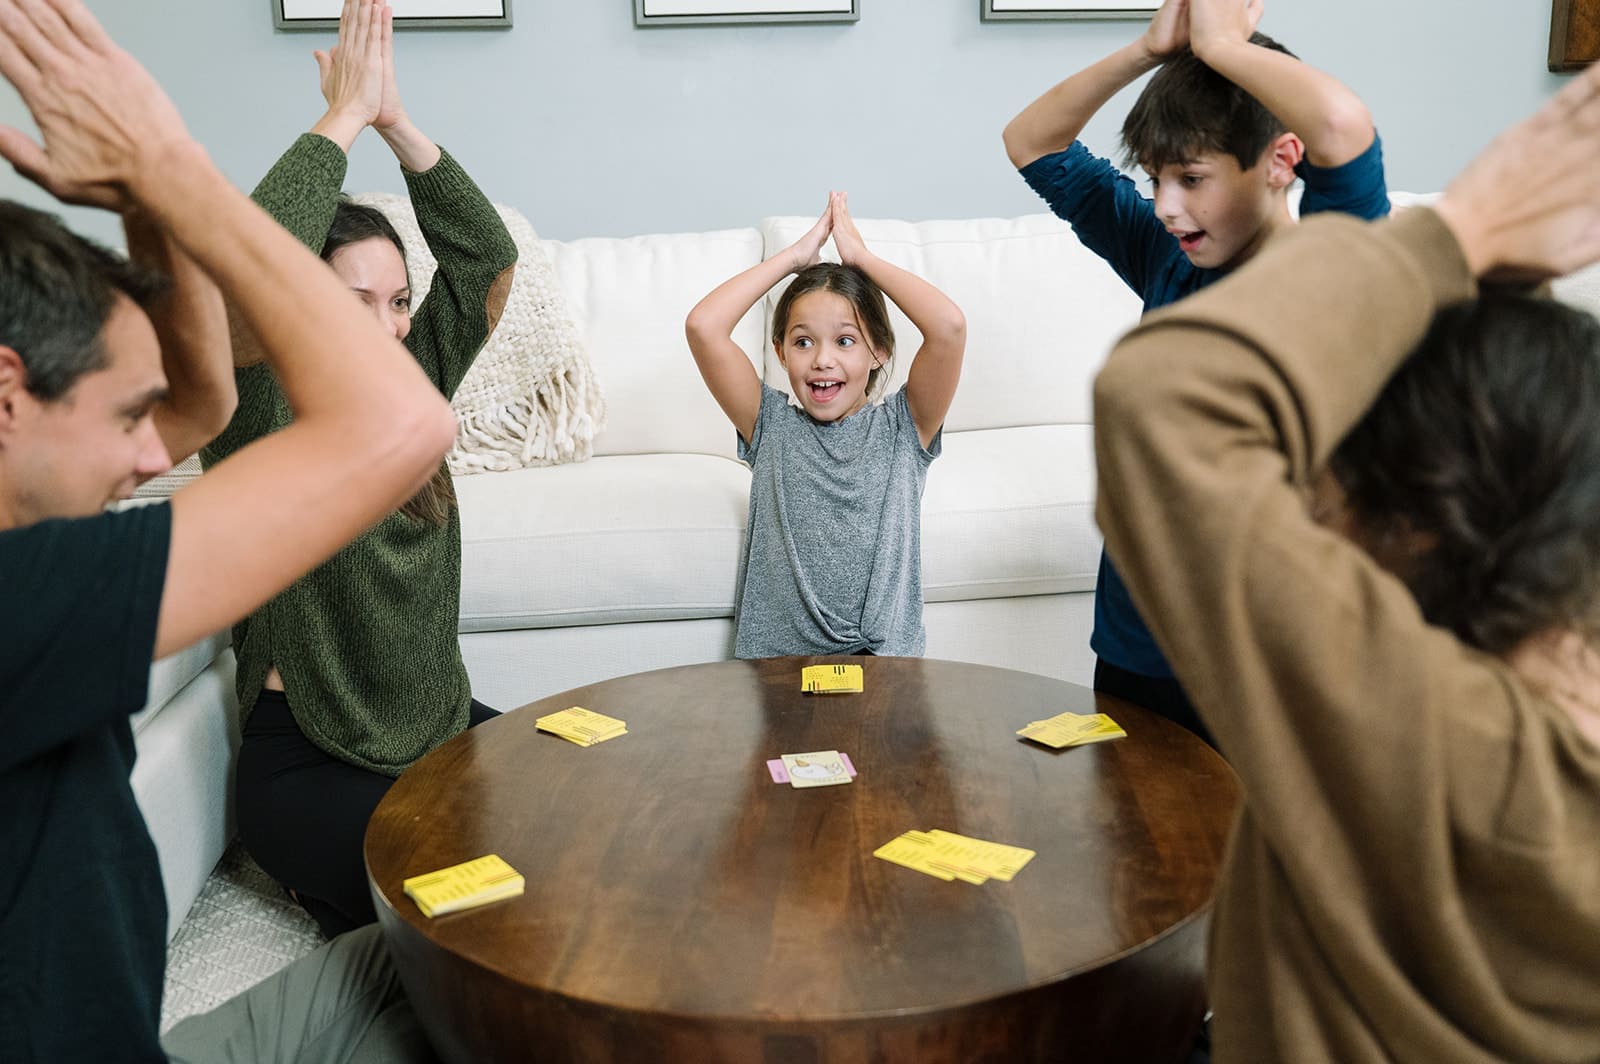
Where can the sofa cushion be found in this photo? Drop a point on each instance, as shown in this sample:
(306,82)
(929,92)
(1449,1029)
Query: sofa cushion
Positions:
(623,538)
(1010,512)
(1042,311)
(629,298)
(617,538)
(172,674)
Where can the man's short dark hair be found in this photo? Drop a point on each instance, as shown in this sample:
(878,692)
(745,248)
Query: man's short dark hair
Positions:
(56,292)
(1187,110)
(1488,440)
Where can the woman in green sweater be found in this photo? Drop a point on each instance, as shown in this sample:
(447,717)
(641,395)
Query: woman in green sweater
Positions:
(355,671)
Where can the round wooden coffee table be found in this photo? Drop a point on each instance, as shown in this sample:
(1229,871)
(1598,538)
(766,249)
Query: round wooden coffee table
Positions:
(680,906)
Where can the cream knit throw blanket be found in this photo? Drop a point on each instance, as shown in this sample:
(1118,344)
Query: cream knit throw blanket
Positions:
(531,397)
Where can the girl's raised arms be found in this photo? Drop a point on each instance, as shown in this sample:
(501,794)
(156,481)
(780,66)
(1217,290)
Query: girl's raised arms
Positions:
(734,382)
(931,385)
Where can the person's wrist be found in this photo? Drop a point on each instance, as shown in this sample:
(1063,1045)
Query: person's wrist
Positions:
(341,125)
(394,125)
(1213,49)
(1144,55)
(1471,237)
(156,185)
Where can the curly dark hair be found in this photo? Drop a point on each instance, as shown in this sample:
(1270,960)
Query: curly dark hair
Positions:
(1187,109)
(1488,438)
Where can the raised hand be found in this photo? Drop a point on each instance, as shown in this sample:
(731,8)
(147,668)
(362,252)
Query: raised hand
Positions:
(352,73)
(1213,22)
(807,251)
(390,112)
(104,122)
(1169,30)
(1512,228)
(846,237)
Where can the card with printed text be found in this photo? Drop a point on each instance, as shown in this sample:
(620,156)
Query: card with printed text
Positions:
(831,679)
(581,726)
(820,768)
(1072,729)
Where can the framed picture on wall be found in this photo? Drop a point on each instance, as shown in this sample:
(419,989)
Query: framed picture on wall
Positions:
(1574,34)
(702,12)
(408,14)
(1038,10)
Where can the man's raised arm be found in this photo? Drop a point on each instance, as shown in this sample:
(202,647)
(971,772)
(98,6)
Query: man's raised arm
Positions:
(369,428)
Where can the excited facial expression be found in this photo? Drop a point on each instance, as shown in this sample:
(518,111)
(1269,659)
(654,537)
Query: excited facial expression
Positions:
(72,456)
(828,356)
(376,272)
(1219,213)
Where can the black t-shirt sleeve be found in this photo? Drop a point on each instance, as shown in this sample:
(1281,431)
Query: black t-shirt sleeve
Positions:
(79,601)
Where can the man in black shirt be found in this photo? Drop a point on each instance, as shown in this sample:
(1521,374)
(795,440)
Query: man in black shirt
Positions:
(104,375)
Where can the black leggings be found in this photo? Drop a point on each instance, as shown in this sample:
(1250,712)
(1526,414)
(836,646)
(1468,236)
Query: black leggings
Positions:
(303,814)
(1160,695)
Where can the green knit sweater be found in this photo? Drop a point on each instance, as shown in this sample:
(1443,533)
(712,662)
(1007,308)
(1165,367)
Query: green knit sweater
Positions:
(366,643)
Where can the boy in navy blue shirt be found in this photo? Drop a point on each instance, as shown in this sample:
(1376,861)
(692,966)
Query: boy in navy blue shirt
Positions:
(1223,129)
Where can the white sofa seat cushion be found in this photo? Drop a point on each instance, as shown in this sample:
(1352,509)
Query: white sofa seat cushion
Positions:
(618,538)
(1010,512)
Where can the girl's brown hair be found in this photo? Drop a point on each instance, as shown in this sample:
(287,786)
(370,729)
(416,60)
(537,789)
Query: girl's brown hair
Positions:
(866,298)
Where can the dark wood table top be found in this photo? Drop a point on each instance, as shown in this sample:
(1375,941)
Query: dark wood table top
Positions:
(670,881)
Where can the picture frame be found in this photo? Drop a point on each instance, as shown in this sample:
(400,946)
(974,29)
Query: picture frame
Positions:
(1053,10)
(408,14)
(714,12)
(1574,34)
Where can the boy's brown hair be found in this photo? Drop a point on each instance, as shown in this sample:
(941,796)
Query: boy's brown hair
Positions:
(1188,109)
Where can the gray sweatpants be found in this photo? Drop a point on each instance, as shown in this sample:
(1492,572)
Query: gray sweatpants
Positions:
(342,1004)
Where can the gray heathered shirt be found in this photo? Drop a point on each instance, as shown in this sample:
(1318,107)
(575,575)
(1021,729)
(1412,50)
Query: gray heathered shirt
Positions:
(833,544)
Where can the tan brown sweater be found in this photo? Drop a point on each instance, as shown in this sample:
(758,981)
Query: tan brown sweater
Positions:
(1415,873)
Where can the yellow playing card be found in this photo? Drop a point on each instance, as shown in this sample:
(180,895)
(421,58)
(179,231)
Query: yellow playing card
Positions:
(581,726)
(831,679)
(944,852)
(463,886)
(911,853)
(1073,729)
(948,856)
(993,859)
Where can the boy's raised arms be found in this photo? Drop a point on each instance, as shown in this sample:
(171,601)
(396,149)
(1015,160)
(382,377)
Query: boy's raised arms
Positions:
(1053,121)
(369,428)
(1330,120)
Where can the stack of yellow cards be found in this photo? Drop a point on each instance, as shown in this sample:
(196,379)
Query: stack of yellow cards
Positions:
(579,725)
(831,679)
(948,856)
(1073,729)
(463,886)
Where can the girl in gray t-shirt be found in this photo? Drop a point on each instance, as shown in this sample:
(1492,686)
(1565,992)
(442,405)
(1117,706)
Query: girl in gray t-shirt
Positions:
(833,548)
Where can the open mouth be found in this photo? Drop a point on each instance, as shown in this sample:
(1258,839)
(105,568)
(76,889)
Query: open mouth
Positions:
(1187,242)
(825,391)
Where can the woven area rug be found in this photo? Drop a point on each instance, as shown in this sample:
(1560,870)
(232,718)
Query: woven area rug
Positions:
(241,929)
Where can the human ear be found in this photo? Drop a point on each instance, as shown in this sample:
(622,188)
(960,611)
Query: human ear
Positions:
(13,385)
(1283,155)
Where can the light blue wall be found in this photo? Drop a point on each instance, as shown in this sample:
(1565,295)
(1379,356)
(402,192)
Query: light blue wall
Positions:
(595,128)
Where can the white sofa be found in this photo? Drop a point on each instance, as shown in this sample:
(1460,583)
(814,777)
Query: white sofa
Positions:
(628,561)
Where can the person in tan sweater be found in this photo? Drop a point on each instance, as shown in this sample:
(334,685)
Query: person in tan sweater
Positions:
(1359,502)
